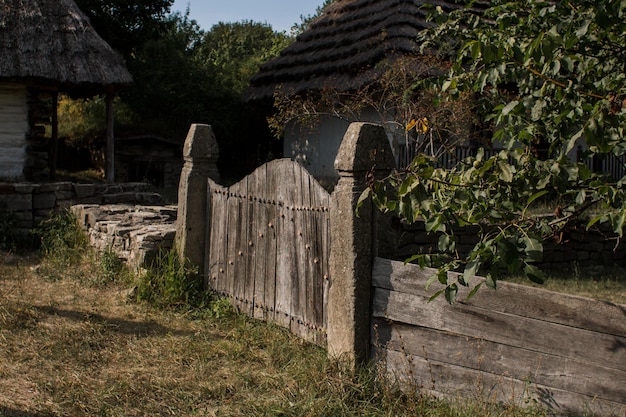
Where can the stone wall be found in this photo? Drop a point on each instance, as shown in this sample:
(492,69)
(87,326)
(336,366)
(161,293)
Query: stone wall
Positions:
(135,233)
(30,203)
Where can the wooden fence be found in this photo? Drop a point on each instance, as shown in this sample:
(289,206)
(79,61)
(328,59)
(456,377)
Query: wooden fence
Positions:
(516,345)
(268,247)
(282,249)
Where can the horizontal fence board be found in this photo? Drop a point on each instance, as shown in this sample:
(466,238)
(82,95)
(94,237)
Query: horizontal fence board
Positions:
(511,298)
(452,381)
(522,334)
(536,335)
(500,359)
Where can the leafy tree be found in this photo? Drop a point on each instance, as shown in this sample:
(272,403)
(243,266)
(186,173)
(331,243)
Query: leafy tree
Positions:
(182,75)
(545,72)
(236,50)
(126,24)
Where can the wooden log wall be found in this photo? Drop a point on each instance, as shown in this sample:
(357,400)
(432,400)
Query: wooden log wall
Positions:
(13,130)
(516,345)
(268,248)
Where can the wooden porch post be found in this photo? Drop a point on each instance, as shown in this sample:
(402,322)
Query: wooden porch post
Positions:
(110,144)
(54,144)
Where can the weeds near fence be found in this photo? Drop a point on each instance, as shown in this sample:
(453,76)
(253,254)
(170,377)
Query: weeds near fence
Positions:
(170,283)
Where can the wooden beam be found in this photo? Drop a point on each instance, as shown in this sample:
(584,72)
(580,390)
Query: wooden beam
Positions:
(110,145)
(54,140)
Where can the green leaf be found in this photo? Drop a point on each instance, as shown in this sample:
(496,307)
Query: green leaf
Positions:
(451,293)
(535,196)
(595,220)
(618,222)
(506,171)
(442,276)
(471,269)
(509,107)
(533,249)
(435,224)
(431,280)
(446,243)
(534,274)
(491,281)
(582,31)
(364,196)
(437,294)
(474,291)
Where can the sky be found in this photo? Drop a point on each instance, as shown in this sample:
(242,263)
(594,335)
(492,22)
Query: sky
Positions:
(280,14)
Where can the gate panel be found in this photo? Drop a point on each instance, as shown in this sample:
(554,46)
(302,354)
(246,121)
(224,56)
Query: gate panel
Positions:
(269,247)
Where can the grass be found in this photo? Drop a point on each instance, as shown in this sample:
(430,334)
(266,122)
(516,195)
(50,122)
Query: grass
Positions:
(76,343)
(606,283)
(75,348)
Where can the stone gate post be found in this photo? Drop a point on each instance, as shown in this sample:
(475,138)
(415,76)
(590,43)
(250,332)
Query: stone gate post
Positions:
(200,154)
(365,147)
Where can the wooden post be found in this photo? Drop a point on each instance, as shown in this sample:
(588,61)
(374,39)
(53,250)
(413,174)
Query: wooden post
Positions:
(110,143)
(200,154)
(365,147)
(54,140)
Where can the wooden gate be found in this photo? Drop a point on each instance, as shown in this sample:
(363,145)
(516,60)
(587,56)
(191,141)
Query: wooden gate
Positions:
(269,245)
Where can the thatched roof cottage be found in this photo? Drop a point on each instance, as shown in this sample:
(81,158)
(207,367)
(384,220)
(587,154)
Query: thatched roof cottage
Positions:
(345,49)
(47,47)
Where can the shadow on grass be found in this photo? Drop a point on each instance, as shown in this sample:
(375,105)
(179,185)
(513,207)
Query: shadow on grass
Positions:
(129,327)
(10,412)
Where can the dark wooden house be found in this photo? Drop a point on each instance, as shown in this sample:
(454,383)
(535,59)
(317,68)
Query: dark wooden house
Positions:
(46,48)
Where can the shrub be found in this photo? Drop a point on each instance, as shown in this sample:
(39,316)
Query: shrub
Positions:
(63,240)
(170,283)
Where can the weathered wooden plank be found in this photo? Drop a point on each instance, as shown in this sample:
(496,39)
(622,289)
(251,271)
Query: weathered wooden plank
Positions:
(501,359)
(452,380)
(299,252)
(511,298)
(233,243)
(270,238)
(259,240)
(285,268)
(238,253)
(248,246)
(217,263)
(543,336)
(320,203)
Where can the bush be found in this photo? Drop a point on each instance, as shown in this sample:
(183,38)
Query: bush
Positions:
(170,283)
(63,240)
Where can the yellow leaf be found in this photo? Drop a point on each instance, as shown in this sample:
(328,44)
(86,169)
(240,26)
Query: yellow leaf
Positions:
(422,125)
(411,124)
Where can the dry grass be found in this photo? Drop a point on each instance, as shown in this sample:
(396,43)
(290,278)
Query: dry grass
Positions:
(76,349)
(77,346)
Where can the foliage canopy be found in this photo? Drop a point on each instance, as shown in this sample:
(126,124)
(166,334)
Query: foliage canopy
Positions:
(545,74)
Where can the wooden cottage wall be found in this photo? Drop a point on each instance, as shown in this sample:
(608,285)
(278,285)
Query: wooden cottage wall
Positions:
(13,129)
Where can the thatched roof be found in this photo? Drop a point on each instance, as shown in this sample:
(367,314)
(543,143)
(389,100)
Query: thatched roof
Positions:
(344,47)
(52,42)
